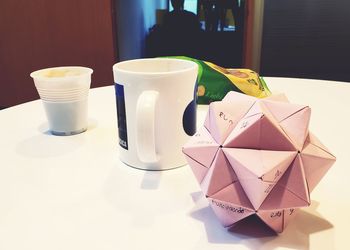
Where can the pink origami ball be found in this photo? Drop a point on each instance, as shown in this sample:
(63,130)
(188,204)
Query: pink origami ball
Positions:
(257,157)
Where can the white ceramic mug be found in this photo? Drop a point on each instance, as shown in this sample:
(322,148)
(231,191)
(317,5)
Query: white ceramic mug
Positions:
(156,108)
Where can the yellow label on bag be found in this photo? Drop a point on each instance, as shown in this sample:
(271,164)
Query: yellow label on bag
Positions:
(214,82)
(248,81)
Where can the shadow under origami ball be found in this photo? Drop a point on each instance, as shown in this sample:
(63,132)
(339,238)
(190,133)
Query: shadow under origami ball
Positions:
(257,156)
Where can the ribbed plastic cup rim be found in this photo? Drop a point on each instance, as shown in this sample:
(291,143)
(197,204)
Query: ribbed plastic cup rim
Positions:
(64,97)
(64,83)
(63,100)
(62,93)
(62,90)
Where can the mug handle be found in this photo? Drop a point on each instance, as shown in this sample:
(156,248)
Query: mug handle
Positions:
(145,126)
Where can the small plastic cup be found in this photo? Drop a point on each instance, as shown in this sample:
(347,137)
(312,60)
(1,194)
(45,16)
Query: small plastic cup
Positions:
(64,93)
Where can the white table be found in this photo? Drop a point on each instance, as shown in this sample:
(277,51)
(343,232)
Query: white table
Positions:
(73,192)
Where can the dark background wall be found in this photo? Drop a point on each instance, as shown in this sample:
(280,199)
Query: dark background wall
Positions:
(39,34)
(306,38)
(301,38)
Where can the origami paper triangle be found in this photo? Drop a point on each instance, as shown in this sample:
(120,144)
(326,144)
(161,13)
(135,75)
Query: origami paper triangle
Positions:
(279,162)
(277,98)
(258,170)
(220,122)
(311,138)
(277,220)
(267,165)
(234,194)
(295,181)
(274,219)
(240,104)
(280,197)
(259,132)
(246,134)
(219,176)
(272,137)
(289,214)
(281,110)
(256,190)
(316,161)
(231,204)
(296,126)
(201,147)
(198,169)
(256,108)
(235,97)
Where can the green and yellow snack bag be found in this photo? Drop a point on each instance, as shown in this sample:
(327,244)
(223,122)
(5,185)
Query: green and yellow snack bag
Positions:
(214,82)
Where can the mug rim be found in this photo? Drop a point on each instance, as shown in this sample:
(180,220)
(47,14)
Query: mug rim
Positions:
(191,65)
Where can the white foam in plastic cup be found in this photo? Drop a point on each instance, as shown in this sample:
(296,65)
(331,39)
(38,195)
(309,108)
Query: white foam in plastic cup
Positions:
(64,93)
(62,78)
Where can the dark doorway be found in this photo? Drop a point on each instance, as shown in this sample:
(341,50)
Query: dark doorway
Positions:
(219,38)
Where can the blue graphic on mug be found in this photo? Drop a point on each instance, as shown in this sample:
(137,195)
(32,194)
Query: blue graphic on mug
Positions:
(189,118)
(121,115)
